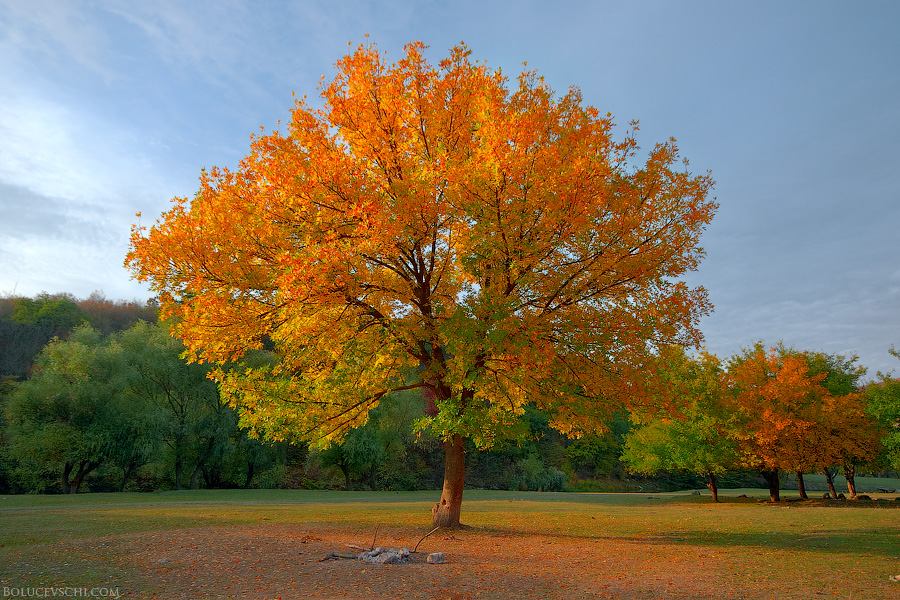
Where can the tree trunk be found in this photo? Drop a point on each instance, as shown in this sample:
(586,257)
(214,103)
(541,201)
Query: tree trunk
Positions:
(64,478)
(195,477)
(850,474)
(127,471)
(830,481)
(84,469)
(344,465)
(713,487)
(771,477)
(179,467)
(250,470)
(801,486)
(201,468)
(446,512)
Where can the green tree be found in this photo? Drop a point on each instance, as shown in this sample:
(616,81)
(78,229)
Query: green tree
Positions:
(254,461)
(357,456)
(27,325)
(192,420)
(60,419)
(7,386)
(59,312)
(883,404)
(695,435)
(408,455)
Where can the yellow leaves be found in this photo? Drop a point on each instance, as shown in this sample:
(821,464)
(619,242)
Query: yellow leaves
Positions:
(493,238)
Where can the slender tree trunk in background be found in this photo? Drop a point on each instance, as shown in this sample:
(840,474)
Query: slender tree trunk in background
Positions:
(127,471)
(850,474)
(201,467)
(84,468)
(446,512)
(830,481)
(64,478)
(713,487)
(801,486)
(76,479)
(177,446)
(250,470)
(771,477)
(195,477)
(179,467)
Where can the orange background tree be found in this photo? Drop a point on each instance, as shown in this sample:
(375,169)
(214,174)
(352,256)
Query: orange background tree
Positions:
(434,227)
(790,416)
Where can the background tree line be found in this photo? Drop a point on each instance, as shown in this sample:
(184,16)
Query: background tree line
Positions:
(96,396)
(772,411)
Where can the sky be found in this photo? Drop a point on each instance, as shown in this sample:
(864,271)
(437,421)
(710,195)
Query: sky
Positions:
(109,108)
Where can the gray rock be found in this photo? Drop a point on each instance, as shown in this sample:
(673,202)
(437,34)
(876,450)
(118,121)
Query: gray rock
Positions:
(436,558)
(389,558)
(383,556)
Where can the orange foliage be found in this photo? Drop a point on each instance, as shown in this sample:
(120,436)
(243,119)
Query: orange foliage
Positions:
(788,418)
(437,227)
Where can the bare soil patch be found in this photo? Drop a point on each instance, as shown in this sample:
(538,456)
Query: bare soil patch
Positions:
(284,561)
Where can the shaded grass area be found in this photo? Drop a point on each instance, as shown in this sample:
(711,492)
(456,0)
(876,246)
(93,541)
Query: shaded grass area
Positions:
(864,485)
(743,547)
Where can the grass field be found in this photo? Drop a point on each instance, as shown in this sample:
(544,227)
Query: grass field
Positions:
(269,544)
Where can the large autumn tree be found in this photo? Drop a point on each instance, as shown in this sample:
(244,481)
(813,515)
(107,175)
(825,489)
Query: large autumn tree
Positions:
(434,227)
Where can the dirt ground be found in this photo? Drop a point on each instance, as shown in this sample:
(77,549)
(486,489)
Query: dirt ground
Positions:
(269,561)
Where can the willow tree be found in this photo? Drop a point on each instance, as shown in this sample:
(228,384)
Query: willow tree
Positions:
(434,227)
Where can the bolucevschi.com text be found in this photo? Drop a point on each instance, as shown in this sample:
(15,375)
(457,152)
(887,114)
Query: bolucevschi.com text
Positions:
(60,592)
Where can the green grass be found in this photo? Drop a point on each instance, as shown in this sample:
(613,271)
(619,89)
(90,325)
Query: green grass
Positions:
(34,519)
(756,540)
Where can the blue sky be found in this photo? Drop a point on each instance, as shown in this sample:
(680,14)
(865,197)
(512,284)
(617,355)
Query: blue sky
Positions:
(111,107)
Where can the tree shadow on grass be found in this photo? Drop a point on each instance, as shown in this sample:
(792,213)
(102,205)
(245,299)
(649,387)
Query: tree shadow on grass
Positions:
(880,541)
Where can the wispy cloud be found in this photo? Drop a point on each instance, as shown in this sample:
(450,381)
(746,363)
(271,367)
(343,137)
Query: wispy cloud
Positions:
(45,30)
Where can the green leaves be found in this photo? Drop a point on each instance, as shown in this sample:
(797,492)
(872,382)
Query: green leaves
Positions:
(696,433)
(61,418)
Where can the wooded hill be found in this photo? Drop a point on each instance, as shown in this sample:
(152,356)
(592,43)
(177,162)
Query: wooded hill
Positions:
(27,324)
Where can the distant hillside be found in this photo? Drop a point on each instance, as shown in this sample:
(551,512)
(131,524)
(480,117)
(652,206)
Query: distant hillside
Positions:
(27,324)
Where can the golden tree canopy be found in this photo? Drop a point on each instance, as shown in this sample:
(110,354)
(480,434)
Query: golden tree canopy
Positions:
(487,237)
